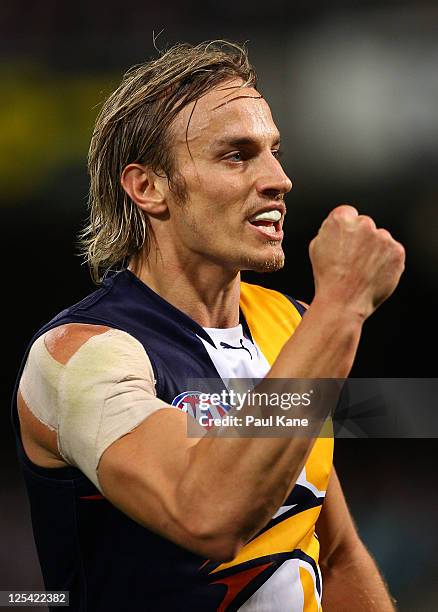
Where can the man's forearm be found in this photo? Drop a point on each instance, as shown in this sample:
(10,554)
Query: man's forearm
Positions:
(353,582)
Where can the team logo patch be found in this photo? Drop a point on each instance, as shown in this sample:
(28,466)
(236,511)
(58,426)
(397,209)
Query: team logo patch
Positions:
(198,405)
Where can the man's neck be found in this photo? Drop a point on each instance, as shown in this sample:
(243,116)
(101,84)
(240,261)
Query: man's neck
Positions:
(208,294)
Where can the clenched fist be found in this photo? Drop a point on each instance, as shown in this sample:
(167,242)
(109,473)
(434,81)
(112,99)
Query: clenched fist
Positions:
(354,263)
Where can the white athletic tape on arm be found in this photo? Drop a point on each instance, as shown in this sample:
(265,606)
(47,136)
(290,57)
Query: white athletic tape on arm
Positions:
(104,391)
(39,384)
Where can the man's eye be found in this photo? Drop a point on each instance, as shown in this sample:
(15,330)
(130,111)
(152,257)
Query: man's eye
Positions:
(277,153)
(237,156)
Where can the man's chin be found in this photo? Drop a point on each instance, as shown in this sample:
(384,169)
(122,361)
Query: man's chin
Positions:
(272,263)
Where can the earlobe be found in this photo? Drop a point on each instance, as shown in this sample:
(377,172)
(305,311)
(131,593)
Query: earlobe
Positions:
(145,188)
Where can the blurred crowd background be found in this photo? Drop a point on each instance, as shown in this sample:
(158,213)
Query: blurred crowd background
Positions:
(354,90)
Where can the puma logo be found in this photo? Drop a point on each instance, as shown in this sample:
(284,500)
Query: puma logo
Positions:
(229,346)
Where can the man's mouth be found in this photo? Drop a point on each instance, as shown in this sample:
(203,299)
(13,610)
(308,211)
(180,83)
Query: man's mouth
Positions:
(268,224)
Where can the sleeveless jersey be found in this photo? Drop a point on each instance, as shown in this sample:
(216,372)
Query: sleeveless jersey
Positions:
(110,563)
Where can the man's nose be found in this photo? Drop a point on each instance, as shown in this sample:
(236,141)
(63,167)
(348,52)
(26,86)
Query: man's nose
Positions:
(273,180)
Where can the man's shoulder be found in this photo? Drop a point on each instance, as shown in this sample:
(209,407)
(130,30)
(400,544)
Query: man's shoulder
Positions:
(96,309)
(64,341)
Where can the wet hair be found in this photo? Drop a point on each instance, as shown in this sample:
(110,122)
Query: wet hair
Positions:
(134,126)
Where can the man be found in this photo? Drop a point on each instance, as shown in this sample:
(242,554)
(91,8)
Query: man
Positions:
(129,512)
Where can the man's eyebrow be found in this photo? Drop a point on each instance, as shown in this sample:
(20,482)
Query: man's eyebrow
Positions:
(243,141)
(237,98)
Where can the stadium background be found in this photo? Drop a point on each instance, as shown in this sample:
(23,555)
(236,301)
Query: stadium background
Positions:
(354,89)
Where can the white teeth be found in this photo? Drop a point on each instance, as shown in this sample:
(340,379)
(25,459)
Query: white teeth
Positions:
(271,215)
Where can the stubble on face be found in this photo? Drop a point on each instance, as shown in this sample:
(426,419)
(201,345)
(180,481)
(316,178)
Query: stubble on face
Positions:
(273,264)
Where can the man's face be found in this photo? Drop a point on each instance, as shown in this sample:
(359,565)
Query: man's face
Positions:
(228,157)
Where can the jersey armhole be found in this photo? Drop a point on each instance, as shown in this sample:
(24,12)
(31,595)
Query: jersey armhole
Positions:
(301,309)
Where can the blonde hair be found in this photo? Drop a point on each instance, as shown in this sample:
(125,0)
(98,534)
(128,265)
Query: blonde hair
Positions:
(133,126)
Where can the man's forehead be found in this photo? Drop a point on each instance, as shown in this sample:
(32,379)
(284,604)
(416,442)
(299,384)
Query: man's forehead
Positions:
(224,108)
(229,92)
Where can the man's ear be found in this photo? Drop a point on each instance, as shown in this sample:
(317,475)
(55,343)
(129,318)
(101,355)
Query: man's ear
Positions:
(145,188)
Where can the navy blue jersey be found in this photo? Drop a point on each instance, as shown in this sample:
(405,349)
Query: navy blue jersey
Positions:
(107,561)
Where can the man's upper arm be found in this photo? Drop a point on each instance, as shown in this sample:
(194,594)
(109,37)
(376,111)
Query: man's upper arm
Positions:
(91,386)
(111,425)
(335,527)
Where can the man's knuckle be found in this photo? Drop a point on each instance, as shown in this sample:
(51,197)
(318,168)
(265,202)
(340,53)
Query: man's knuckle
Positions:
(366,222)
(343,213)
(400,251)
(384,234)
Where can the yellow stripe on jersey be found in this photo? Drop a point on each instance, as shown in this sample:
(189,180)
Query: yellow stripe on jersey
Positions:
(293,532)
(320,461)
(310,603)
(271,317)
